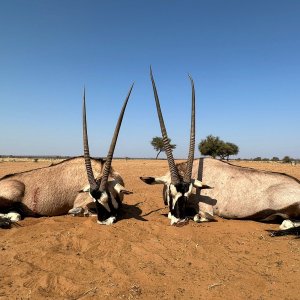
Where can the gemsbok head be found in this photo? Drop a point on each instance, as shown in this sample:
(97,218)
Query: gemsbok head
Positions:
(104,193)
(177,186)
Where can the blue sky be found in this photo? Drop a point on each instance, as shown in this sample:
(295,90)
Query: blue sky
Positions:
(244,57)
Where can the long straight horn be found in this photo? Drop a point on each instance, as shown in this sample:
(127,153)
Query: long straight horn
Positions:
(113,144)
(188,174)
(87,159)
(173,169)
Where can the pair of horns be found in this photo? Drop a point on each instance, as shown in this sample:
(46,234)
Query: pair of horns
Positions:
(95,186)
(175,178)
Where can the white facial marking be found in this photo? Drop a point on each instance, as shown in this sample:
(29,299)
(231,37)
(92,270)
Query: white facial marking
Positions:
(104,201)
(175,194)
(174,220)
(108,221)
(118,188)
(188,193)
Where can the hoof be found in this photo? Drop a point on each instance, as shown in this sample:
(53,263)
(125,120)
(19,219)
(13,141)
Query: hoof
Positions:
(203,217)
(76,212)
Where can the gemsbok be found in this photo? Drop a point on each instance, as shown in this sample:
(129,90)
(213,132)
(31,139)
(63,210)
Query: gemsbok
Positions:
(235,193)
(61,189)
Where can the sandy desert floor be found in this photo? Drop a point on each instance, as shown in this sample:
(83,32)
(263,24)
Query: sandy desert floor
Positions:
(142,256)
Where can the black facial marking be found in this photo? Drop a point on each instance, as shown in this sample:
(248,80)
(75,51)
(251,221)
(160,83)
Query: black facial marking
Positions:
(179,210)
(118,200)
(96,194)
(102,213)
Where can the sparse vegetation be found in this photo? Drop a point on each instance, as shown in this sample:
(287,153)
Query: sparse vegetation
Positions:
(275,158)
(158,145)
(214,146)
(257,158)
(287,159)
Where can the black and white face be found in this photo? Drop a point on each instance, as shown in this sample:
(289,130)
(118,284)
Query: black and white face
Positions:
(107,205)
(177,197)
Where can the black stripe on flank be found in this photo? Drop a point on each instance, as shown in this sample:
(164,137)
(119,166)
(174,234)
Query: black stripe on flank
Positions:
(293,211)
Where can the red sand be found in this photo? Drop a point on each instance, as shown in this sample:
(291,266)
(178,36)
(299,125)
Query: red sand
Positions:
(142,256)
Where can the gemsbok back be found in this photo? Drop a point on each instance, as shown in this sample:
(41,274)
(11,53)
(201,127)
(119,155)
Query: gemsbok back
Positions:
(236,193)
(61,188)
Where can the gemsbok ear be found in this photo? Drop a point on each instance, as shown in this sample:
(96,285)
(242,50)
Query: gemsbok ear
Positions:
(121,189)
(126,192)
(155,180)
(85,189)
(199,184)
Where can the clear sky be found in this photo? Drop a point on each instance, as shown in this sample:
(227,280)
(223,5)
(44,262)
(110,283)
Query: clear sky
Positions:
(244,56)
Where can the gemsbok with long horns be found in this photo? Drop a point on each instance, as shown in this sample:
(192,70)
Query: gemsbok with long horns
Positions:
(236,193)
(178,186)
(60,189)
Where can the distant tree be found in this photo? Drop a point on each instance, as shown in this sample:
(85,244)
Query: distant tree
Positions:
(265,159)
(227,149)
(210,146)
(158,145)
(257,158)
(214,146)
(287,159)
(275,158)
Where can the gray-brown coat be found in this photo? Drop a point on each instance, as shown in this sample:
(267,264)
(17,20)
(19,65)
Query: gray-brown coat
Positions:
(54,190)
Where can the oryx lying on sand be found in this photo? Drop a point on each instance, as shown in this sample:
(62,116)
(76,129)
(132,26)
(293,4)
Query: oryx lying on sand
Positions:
(58,189)
(177,186)
(237,193)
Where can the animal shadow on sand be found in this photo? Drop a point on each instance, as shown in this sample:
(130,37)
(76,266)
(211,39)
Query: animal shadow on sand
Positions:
(131,212)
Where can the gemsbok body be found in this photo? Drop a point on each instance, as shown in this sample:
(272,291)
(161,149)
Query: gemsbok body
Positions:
(62,188)
(240,192)
(229,191)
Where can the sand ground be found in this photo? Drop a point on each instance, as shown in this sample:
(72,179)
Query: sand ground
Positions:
(142,256)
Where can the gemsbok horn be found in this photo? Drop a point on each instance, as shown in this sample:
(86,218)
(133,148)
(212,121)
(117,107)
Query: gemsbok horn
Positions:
(237,193)
(58,189)
(178,187)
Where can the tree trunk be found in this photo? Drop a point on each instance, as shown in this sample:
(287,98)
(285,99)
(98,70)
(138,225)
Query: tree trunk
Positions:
(158,154)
